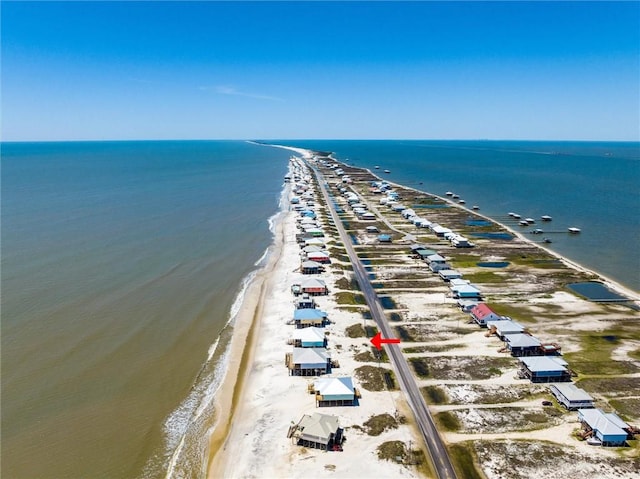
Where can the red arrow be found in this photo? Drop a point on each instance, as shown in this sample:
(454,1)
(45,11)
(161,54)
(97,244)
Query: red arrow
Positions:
(378,341)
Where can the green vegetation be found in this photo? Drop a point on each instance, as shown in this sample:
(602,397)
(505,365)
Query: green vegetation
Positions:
(344,297)
(392,451)
(355,331)
(372,356)
(464,260)
(448,421)
(611,386)
(460,367)
(374,378)
(463,459)
(376,425)
(627,408)
(486,277)
(594,357)
(347,283)
(436,348)
(434,395)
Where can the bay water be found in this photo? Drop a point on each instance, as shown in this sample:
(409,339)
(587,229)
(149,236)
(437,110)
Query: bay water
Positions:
(594,186)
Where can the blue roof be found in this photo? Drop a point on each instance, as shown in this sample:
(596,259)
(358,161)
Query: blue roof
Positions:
(308,313)
(384,237)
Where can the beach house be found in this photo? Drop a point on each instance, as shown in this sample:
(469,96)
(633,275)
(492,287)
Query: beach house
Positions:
(523,345)
(309,338)
(606,429)
(466,291)
(571,396)
(318,431)
(305,302)
(483,313)
(308,317)
(319,257)
(308,361)
(335,392)
(449,274)
(504,327)
(311,267)
(544,369)
(314,287)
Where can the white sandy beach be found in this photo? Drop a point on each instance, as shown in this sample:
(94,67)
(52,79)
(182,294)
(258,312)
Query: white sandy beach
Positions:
(271,399)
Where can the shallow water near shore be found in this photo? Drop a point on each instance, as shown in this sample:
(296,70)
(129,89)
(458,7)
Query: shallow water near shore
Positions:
(122,263)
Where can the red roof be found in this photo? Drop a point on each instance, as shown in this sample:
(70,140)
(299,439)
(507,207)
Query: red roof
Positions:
(481,310)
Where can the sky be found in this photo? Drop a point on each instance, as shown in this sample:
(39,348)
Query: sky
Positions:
(327,70)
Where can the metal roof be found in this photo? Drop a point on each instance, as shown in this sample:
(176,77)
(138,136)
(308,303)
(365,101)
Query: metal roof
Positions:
(318,427)
(606,423)
(522,341)
(308,313)
(544,363)
(309,334)
(334,386)
(310,355)
(571,392)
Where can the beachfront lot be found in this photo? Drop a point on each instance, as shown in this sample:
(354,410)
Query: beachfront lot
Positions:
(484,409)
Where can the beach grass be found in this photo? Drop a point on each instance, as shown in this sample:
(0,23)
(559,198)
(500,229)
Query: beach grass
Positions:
(464,460)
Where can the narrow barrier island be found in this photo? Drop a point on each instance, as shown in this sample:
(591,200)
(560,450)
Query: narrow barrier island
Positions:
(523,375)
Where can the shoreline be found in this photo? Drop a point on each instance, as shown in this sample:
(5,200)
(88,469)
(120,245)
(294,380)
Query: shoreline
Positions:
(242,347)
(238,413)
(607,281)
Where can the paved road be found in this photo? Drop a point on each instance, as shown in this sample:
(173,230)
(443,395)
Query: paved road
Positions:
(435,446)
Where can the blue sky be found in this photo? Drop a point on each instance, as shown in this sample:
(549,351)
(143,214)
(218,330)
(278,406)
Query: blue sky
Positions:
(388,70)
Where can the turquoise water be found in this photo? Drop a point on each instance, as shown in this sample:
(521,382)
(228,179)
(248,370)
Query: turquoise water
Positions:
(121,264)
(589,185)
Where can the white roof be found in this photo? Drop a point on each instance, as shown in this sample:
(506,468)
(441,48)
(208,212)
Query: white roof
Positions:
(464,288)
(310,355)
(572,392)
(506,326)
(458,282)
(309,334)
(449,272)
(334,386)
(544,363)
(313,283)
(522,341)
(310,264)
(435,257)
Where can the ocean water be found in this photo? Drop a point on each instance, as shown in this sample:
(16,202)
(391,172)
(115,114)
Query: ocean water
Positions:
(594,186)
(122,265)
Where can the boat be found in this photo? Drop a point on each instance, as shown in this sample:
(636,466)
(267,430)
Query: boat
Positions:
(377,167)
(517,216)
(546,218)
(462,202)
(546,240)
(574,230)
(475,207)
(449,193)
(455,197)
(530,220)
(387,171)
(523,223)
(512,214)
(536,231)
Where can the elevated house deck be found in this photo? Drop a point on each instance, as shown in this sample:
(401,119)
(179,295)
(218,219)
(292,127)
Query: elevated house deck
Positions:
(335,392)
(318,431)
(571,396)
(308,362)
